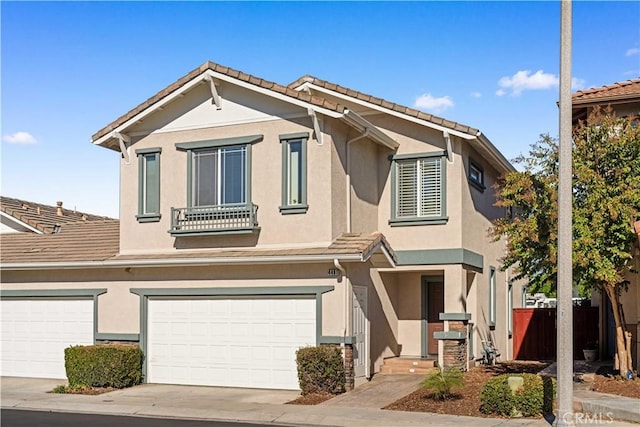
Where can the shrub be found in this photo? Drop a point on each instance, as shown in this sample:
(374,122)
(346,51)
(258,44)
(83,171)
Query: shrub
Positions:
(107,365)
(320,370)
(443,382)
(533,398)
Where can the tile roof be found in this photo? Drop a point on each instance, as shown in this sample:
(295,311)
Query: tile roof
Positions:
(621,90)
(42,217)
(384,103)
(248,78)
(71,244)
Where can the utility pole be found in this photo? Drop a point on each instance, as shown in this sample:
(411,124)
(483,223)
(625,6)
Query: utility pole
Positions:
(564,356)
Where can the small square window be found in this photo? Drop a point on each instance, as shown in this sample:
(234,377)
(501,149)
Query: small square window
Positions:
(476,175)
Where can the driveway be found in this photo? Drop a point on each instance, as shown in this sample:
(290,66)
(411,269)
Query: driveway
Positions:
(381,391)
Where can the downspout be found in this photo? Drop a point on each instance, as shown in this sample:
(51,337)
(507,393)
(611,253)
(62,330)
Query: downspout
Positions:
(348,178)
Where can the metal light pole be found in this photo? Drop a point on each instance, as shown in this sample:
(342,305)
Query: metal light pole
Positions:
(564,355)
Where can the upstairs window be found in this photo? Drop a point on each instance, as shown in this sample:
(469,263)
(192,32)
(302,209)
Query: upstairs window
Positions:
(148,184)
(418,184)
(476,175)
(294,173)
(219,176)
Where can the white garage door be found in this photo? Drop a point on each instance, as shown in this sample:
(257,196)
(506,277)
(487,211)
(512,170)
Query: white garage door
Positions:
(228,342)
(35,333)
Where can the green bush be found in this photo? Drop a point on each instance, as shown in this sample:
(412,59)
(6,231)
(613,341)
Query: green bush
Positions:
(107,365)
(443,382)
(320,370)
(535,397)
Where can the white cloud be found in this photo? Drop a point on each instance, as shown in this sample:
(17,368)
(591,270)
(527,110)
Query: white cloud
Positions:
(633,51)
(19,138)
(577,84)
(524,80)
(431,103)
(476,94)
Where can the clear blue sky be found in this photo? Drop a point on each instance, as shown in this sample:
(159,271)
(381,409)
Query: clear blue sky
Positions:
(70,68)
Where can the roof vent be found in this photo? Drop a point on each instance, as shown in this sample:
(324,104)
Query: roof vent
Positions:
(25,206)
(38,210)
(59,208)
(56,229)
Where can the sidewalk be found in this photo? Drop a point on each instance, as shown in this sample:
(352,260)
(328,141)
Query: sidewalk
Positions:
(228,404)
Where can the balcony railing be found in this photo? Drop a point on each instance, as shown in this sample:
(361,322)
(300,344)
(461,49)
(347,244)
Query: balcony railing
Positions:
(236,218)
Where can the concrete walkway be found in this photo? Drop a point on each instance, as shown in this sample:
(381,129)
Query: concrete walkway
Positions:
(249,405)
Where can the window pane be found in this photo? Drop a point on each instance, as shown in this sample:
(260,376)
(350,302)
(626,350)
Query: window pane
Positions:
(233,173)
(205,178)
(294,176)
(430,187)
(407,194)
(151,188)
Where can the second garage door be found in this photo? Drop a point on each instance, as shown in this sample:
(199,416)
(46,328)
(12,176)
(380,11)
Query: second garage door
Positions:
(234,342)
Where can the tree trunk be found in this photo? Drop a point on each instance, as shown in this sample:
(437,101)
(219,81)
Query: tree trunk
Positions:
(623,350)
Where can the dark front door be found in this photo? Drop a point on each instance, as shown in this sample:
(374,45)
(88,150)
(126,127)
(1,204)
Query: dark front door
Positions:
(433,303)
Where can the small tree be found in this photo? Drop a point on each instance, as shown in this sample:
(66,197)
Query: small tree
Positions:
(443,382)
(606,202)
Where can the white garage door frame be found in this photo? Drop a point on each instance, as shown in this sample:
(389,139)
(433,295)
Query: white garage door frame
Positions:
(228,292)
(57,295)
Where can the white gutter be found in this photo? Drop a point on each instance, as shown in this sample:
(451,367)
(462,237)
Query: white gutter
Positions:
(356,121)
(168,262)
(348,177)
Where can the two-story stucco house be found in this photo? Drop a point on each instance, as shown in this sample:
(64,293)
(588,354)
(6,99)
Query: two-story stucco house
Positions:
(256,218)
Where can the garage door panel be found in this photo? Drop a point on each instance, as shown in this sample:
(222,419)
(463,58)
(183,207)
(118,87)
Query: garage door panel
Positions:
(241,342)
(35,333)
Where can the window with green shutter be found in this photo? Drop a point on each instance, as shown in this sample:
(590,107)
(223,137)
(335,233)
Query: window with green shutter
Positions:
(418,185)
(148,184)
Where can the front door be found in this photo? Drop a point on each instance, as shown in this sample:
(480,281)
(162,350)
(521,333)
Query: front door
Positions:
(359,325)
(433,305)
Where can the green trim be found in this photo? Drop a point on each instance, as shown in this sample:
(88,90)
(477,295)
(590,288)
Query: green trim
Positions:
(297,209)
(51,293)
(493,297)
(189,233)
(152,216)
(118,337)
(422,220)
(440,153)
(302,207)
(148,218)
(148,150)
(405,222)
(440,256)
(213,143)
(455,316)
(297,135)
(145,293)
(337,340)
(59,294)
(450,335)
(479,185)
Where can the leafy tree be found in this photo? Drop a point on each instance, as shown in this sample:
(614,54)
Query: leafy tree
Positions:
(606,202)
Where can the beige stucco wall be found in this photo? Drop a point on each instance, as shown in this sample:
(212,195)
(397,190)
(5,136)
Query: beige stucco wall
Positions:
(119,309)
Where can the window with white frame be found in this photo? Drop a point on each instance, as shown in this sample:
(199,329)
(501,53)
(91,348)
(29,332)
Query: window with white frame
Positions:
(492,296)
(219,176)
(148,184)
(294,173)
(418,190)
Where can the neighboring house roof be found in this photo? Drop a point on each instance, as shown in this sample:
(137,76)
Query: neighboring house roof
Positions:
(71,249)
(42,218)
(71,244)
(384,103)
(617,91)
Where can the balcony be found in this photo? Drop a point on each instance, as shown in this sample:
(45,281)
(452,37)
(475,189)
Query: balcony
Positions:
(218,219)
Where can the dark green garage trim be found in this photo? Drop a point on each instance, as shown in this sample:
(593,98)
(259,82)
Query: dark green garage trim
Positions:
(337,340)
(25,294)
(267,291)
(440,256)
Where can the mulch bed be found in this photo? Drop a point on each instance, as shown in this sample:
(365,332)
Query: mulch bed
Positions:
(92,391)
(607,381)
(467,399)
(311,399)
